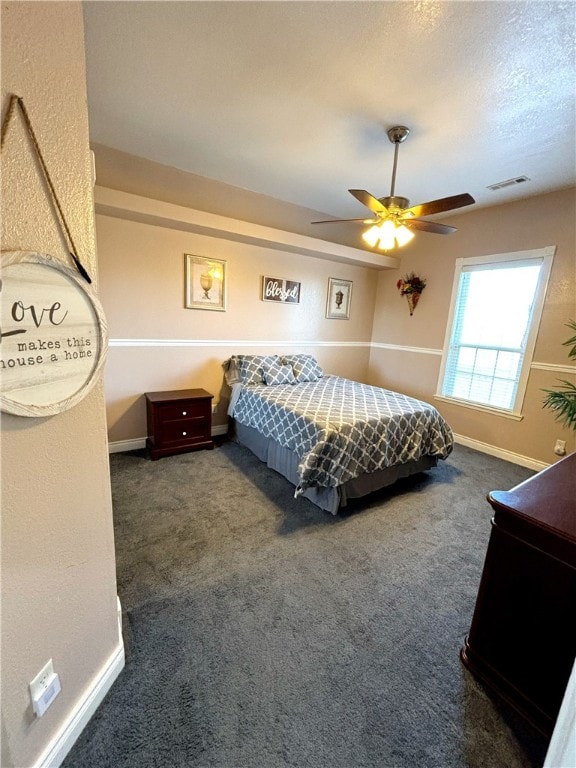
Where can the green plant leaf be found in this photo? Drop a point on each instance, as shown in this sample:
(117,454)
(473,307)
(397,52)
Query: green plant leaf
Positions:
(563,403)
(571,342)
(563,400)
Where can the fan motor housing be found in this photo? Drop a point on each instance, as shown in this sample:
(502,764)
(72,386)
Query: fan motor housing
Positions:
(394,202)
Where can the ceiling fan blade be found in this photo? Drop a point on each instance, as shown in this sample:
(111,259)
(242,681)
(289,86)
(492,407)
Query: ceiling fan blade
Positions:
(429,226)
(336,221)
(368,200)
(441,205)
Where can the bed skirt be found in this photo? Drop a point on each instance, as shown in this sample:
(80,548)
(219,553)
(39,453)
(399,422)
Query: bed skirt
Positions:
(286,462)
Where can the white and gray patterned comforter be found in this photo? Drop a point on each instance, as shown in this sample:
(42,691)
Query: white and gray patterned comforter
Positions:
(341,429)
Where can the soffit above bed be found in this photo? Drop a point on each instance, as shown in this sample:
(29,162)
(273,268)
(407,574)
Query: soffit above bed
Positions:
(123,205)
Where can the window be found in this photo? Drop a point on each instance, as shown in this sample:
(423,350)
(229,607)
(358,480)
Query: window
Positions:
(494,317)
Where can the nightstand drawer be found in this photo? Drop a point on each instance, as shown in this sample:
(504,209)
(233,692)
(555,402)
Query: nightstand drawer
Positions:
(184,409)
(185,431)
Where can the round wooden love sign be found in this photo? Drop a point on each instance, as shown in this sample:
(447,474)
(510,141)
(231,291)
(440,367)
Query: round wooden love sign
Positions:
(53,336)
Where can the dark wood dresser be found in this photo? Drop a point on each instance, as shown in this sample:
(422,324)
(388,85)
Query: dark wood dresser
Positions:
(522,641)
(178,421)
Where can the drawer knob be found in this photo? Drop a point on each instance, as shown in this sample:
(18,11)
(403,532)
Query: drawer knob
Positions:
(183,413)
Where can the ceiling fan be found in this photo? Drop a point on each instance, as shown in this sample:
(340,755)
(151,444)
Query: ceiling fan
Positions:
(394,220)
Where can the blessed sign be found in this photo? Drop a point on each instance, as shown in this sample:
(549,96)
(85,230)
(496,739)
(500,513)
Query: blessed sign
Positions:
(52,337)
(280,290)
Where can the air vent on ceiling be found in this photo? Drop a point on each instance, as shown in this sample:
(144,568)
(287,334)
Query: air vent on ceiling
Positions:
(508,183)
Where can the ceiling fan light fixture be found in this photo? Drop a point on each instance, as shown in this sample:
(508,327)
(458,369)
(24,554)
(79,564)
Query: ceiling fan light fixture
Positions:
(392,212)
(403,235)
(387,235)
(372,235)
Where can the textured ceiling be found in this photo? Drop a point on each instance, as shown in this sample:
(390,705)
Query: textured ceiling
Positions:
(292,99)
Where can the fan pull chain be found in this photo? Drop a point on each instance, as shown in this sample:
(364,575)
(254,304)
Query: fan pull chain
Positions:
(18,101)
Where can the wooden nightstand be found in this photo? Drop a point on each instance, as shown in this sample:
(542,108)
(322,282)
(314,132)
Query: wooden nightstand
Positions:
(178,421)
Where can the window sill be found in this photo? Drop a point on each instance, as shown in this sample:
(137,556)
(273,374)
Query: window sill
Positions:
(480,407)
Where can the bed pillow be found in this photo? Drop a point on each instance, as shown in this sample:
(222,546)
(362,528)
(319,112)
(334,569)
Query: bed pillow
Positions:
(305,367)
(250,367)
(277,373)
(232,370)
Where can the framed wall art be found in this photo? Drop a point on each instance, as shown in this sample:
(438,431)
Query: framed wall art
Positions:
(53,332)
(339,298)
(281,291)
(205,283)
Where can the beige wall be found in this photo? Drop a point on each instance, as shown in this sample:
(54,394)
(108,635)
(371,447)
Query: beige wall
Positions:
(142,291)
(142,279)
(414,366)
(58,567)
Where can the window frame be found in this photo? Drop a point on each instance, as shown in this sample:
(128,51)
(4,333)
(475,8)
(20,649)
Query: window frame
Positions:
(546,256)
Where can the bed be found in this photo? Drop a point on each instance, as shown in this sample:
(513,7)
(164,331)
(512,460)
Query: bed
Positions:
(333,438)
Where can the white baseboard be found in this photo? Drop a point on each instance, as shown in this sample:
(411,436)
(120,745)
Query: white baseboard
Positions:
(500,453)
(119,446)
(62,743)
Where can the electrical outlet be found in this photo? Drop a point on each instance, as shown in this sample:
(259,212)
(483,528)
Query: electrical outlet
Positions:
(44,688)
(560,448)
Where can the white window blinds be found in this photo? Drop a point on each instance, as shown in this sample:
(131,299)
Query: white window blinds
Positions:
(495,313)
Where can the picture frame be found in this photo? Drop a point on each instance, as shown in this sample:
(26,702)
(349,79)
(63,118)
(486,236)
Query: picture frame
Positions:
(54,335)
(339,299)
(205,283)
(280,290)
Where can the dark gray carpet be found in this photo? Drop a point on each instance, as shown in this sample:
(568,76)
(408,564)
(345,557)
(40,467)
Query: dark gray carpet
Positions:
(262,632)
